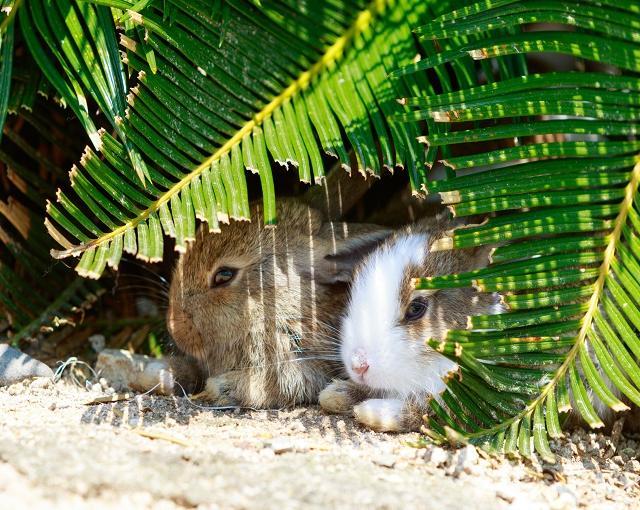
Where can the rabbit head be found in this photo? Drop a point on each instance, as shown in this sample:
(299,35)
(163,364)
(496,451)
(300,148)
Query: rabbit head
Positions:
(264,303)
(387,320)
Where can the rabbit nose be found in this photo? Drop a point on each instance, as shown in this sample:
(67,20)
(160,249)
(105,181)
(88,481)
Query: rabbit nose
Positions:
(359,362)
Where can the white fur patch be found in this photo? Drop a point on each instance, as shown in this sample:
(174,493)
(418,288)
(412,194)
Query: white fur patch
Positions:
(377,286)
(396,363)
(384,415)
(497,307)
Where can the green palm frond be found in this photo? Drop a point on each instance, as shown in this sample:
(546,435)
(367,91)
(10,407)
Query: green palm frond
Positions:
(217,88)
(6,67)
(75,46)
(285,82)
(564,213)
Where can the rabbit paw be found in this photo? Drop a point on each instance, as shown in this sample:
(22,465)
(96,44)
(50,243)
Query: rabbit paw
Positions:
(219,390)
(339,397)
(382,415)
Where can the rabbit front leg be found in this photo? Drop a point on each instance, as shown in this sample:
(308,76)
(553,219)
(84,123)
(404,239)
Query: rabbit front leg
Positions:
(381,414)
(340,396)
(390,414)
(222,389)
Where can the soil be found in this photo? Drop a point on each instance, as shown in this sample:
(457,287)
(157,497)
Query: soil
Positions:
(164,453)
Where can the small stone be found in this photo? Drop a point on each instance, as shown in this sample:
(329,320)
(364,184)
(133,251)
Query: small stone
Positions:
(623,480)
(40,383)
(16,366)
(565,499)
(97,342)
(409,452)
(438,456)
(629,452)
(52,406)
(297,426)
(387,461)
(467,459)
(505,495)
(633,466)
(124,370)
(279,446)
(618,460)
(104,383)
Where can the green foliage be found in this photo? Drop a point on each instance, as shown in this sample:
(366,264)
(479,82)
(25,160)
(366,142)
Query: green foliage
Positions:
(565,219)
(286,80)
(206,90)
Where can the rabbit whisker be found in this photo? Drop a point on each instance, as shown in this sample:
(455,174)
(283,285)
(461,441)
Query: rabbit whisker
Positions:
(144,267)
(144,278)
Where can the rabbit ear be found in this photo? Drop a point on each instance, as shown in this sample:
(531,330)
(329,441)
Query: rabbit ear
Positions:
(344,246)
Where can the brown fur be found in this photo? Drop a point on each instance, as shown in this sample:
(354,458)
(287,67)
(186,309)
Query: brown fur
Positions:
(267,339)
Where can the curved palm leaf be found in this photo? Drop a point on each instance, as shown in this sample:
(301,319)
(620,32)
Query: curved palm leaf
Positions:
(284,81)
(566,219)
(6,67)
(75,46)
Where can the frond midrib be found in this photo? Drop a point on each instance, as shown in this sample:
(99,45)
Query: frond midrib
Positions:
(599,286)
(331,55)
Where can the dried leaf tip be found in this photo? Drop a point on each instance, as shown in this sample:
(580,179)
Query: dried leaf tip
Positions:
(441,116)
(442,244)
(450,197)
(479,54)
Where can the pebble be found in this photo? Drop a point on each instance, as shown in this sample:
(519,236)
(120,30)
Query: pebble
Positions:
(629,452)
(297,426)
(618,460)
(40,383)
(124,371)
(633,466)
(506,495)
(623,479)
(438,457)
(565,499)
(15,389)
(279,446)
(467,459)
(387,461)
(97,342)
(16,366)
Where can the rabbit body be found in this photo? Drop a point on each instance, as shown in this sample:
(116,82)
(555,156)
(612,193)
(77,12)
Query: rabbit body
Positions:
(266,337)
(391,370)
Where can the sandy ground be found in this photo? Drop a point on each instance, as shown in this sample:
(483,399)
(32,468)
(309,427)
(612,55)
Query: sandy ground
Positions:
(57,452)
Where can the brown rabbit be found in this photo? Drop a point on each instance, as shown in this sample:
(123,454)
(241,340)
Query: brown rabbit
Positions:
(257,308)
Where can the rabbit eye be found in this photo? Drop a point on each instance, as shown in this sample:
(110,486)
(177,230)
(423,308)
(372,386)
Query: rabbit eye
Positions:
(222,276)
(416,309)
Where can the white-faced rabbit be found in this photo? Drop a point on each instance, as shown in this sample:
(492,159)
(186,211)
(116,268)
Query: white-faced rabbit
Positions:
(391,370)
(257,308)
